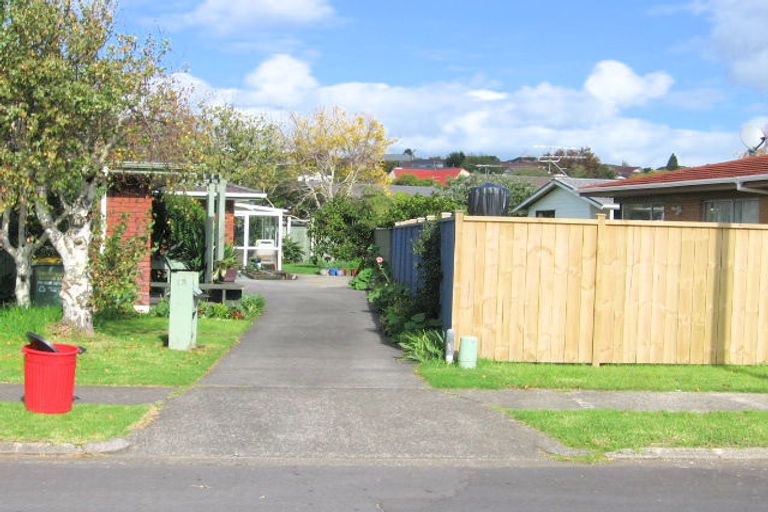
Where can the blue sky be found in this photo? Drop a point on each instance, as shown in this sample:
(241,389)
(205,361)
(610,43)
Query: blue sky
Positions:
(634,80)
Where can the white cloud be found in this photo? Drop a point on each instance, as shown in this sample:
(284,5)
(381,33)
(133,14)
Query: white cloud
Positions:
(615,83)
(230,16)
(439,117)
(487,95)
(281,81)
(739,37)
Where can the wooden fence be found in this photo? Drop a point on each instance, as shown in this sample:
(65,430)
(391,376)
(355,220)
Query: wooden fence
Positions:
(597,291)
(612,291)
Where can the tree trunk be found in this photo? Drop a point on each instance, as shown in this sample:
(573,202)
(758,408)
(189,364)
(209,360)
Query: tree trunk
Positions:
(72,245)
(23,260)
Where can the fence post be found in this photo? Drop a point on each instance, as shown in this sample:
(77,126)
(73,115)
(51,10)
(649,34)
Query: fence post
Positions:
(599,332)
(458,271)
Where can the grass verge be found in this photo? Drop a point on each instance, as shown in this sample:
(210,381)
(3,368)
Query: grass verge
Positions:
(85,423)
(605,430)
(496,375)
(131,351)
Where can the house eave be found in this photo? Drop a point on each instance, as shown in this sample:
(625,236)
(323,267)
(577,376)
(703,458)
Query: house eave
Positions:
(640,188)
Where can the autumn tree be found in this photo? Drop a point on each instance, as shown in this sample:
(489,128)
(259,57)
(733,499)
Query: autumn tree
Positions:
(331,151)
(245,148)
(70,84)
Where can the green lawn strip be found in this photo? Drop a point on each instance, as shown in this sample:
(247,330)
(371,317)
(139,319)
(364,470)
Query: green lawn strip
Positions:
(605,430)
(130,352)
(301,268)
(309,268)
(497,375)
(85,423)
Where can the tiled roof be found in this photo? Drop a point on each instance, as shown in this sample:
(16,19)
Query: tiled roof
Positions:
(439,175)
(750,166)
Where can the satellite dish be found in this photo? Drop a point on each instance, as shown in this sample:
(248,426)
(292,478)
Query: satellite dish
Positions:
(753,136)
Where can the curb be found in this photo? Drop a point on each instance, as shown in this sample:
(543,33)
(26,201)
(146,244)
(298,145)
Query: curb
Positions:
(691,454)
(110,446)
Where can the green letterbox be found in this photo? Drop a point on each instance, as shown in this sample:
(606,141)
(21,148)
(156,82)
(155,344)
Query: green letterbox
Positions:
(182,324)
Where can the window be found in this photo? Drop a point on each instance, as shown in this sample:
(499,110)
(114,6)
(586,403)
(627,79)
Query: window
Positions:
(732,210)
(548,214)
(642,211)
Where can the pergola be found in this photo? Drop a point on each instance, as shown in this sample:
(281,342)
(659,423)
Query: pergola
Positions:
(259,234)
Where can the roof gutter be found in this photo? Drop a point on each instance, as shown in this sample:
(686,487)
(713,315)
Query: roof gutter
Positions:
(673,184)
(741,188)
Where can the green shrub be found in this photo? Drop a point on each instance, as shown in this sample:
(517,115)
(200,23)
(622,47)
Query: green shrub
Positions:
(363,280)
(423,345)
(162,309)
(252,306)
(212,310)
(292,251)
(180,229)
(114,269)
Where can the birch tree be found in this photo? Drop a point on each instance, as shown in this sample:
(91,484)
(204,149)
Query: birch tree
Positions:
(69,83)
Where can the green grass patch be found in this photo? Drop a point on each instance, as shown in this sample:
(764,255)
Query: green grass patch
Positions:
(496,375)
(85,423)
(605,430)
(309,268)
(301,268)
(130,351)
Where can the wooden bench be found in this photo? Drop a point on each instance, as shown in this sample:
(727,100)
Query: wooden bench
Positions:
(227,293)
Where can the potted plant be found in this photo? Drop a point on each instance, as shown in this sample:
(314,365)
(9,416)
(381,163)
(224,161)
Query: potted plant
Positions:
(225,269)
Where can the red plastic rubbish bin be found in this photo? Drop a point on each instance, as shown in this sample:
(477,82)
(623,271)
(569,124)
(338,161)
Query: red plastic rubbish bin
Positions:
(49,379)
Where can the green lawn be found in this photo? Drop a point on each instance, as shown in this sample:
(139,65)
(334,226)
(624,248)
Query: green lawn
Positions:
(130,351)
(605,430)
(85,423)
(309,268)
(496,375)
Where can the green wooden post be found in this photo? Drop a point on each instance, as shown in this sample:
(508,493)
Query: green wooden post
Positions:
(209,226)
(221,219)
(182,323)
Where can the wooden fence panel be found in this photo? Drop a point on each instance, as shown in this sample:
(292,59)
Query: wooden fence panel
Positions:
(579,291)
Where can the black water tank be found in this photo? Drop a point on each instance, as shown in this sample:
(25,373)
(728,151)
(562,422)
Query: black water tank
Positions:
(489,200)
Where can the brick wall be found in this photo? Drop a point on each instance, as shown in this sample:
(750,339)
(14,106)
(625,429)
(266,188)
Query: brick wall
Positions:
(138,207)
(230,222)
(690,207)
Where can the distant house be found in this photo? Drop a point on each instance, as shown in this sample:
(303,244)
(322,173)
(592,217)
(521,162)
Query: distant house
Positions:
(625,171)
(560,198)
(439,175)
(733,191)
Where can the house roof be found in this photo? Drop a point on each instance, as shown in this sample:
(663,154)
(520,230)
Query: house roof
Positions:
(571,185)
(724,173)
(234,191)
(439,175)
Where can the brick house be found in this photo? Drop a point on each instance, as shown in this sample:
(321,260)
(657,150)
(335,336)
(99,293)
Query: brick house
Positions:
(130,196)
(733,191)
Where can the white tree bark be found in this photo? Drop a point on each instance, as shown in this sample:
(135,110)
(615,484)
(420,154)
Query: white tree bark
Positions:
(23,277)
(21,253)
(72,245)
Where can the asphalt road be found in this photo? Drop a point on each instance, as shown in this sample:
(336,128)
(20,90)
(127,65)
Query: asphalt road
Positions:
(133,485)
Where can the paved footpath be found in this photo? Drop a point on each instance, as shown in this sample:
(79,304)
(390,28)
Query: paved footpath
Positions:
(314,380)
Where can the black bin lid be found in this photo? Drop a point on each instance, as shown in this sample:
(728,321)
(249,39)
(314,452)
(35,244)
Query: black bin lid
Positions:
(40,343)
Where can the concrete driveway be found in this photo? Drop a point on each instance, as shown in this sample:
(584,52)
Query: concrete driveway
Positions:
(314,380)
